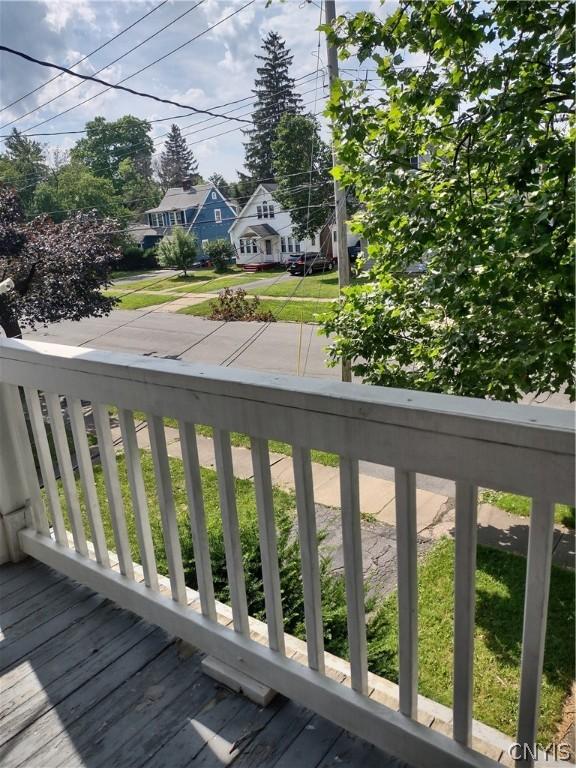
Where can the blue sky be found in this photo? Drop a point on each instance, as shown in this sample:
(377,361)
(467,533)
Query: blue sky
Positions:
(217,68)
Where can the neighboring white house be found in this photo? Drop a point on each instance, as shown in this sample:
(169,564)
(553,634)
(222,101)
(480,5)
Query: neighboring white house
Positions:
(262,233)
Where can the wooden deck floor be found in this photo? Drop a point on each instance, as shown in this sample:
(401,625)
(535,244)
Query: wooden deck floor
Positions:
(85,683)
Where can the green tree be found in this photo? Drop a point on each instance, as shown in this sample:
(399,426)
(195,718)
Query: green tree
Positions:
(220,253)
(23,166)
(222,185)
(178,250)
(106,145)
(138,192)
(58,269)
(75,188)
(299,149)
(177,161)
(488,207)
(275,96)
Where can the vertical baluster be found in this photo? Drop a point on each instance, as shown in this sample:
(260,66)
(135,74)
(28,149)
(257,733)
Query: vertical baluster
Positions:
(538,570)
(268,544)
(87,479)
(197,519)
(46,465)
(405,483)
(139,501)
(464,609)
(110,470)
(308,537)
(353,572)
(167,508)
(25,457)
(234,565)
(66,472)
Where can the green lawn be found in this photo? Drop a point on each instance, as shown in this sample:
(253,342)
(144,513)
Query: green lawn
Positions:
(499,591)
(521,505)
(138,300)
(284,311)
(319,286)
(500,581)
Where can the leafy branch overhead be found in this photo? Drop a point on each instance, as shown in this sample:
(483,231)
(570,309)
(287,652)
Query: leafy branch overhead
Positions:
(461,155)
(58,269)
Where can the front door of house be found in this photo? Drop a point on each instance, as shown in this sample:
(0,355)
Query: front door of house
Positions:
(268,247)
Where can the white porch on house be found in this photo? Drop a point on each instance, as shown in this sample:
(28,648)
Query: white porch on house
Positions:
(519,449)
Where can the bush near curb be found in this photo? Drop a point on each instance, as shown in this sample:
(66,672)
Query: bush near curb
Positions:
(234,304)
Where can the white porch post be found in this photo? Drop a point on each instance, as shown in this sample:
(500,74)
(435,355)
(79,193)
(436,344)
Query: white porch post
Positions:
(15,483)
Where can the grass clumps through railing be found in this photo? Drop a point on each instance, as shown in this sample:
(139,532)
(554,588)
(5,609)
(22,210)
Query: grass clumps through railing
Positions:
(499,590)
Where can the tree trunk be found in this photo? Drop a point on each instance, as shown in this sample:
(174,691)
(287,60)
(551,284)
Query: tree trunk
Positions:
(10,325)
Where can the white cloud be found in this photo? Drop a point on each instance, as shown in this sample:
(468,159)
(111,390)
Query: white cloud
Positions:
(60,12)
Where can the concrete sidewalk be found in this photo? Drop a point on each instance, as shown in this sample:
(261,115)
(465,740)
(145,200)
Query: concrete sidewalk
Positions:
(435,512)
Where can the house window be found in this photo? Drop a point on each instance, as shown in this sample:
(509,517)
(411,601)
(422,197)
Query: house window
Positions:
(259,211)
(334,235)
(217,215)
(156,220)
(176,217)
(248,245)
(214,196)
(271,211)
(297,246)
(283,244)
(313,240)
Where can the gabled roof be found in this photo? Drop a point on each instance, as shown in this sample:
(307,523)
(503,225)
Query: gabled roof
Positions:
(267,188)
(262,230)
(179,198)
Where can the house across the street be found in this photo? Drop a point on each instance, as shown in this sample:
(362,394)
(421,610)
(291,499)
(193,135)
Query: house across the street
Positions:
(200,209)
(263,232)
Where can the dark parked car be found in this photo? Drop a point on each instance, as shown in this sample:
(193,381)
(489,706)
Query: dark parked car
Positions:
(307,263)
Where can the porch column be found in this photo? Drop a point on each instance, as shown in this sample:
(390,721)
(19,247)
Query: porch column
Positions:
(15,483)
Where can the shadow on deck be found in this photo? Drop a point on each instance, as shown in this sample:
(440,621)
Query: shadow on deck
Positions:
(85,683)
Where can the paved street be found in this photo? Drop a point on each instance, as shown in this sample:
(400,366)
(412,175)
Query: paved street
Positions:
(272,348)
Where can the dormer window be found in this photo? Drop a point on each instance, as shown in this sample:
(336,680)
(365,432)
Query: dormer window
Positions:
(265,211)
(176,217)
(156,220)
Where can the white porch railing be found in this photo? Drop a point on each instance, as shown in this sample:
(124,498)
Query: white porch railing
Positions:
(512,448)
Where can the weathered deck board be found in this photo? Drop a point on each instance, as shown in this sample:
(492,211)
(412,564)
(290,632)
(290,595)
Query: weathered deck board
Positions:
(88,685)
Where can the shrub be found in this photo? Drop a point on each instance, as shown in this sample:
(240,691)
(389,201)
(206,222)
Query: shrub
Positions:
(234,304)
(134,258)
(220,253)
(178,250)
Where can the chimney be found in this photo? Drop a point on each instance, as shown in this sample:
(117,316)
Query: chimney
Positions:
(186,184)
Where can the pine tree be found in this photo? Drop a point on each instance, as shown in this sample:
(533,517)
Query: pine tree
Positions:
(275,94)
(177,161)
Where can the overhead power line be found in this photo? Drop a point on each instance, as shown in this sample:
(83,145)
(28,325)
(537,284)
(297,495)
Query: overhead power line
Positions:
(109,64)
(119,87)
(308,77)
(122,155)
(96,50)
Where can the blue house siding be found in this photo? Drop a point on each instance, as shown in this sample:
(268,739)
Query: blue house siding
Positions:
(200,221)
(205,226)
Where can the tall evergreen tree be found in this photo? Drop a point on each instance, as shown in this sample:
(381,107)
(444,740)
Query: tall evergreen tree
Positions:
(275,94)
(23,166)
(177,161)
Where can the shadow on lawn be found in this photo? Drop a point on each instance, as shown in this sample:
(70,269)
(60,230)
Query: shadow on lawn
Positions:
(501,617)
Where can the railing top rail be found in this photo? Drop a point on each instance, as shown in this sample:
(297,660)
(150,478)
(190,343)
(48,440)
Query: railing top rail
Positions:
(165,386)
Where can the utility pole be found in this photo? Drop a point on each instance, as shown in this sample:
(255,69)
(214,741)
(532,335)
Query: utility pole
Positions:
(339,192)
